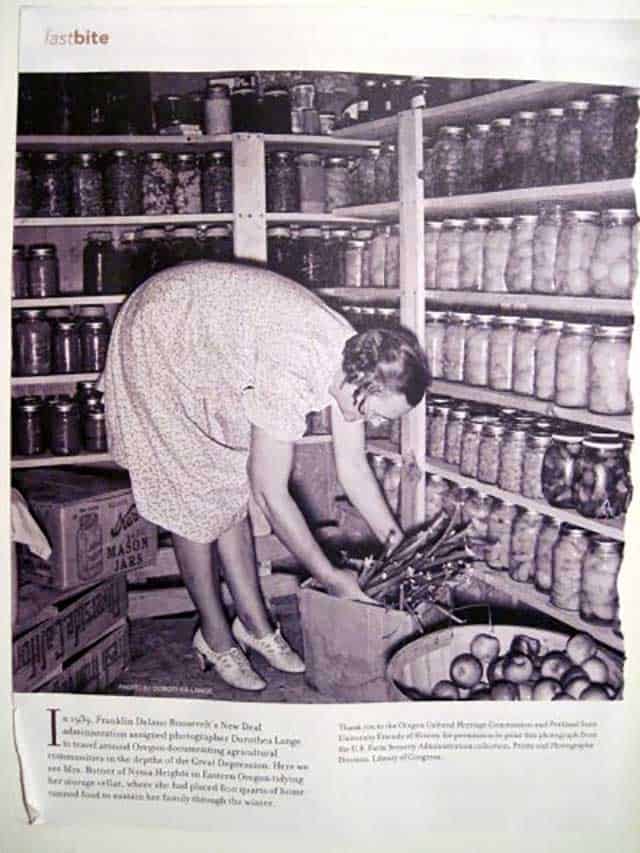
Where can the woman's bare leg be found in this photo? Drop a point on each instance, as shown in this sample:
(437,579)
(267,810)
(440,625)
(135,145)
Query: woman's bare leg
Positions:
(237,553)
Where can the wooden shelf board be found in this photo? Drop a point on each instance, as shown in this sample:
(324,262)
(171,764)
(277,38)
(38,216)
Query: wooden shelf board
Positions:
(115,221)
(133,143)
(303,142)
(383,211)
(54,379)
(362,295)
(315,219)
(69,299)
(524,302)
(614,528)
(528,594)
(616,423)
(47,460)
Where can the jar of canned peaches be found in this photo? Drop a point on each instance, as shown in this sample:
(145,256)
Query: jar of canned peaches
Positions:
(489,451)
(532,466)
(454,346)
(470,444)
(559,467)
(545,245)
(547,540)
(449,253)
(512,455)
(613,268)
(576,243)
(568,558)
(545,359)
(476,350)
(496,252)
(572,365)
(500,527)
(609,371)
(599,588)
(472,251)
(434,333)
(458,417)
(526,530)
(518,273)
(436,436)
(524,355)
(501,347)
(432,231)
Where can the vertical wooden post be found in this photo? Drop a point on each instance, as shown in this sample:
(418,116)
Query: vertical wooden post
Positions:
(412,296)
(249,197)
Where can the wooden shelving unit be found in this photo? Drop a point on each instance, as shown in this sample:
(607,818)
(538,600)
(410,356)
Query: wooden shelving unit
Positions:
(115,221)
(528,303)
(69,299)
(54,379)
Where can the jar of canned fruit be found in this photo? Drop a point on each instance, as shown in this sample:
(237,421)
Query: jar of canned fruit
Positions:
(470,445)
(431,238)
(559,467)
(448,164)
(547,540)
(599,589)
(570,136)
(458,417)
(532,467)
(454,346)
(472,252)
(609,392)
(500,528)
(496,252)
(501,349)
(598,159)
(524,355)
(546,145)
(512,454)
(568,558)
(473,161)
(518,274)
(434,333)
(545,244)
(613,266)
(545,359)
(602,486)
(522,559)
(521,163)
(625,132)
(476,350)
(572,365)
(489,451)
(439,417)
(449,254)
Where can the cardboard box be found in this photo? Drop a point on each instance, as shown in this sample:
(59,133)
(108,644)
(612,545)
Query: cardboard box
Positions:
(40,654)
(347,645)
(92,525)
(96,668)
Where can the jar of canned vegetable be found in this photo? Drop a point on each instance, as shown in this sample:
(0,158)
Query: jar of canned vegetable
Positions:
(518,274)
(569,166)
(183,244)
(495,156)
(598,158)
(386,173)
(546,358)
(625,132)
(438,420)
(187,188)
(501,348)
(436,492)
(434,334)
(217,243)
(547,540)
(470,445)
(29,432)
(311,257)
(602,486)
(448,164)
(122,184)
(338,182)
(572,365)
(23,199)
(545,243)
(522,559)
(472,253)
(489,452)
(501,519)
(94,429)
(496,252)
(365,235)
(521,163)
(546,146)
(282,183)
(449,253)
(377,250)
(609,392)
(476,350)
(65,437)
(576,244)
(86,186)
(559,467)
(512,453)
(613,266)
(454,346)
(43,270)
(32,340)
(458,417)
(51,186)
(354,262)
(94,333)
(366,176)
(599,600)
(66,347)
(217,187)
(157,184)
(431,237)
(532,468)
(473,161)
(524,355)
(568,558)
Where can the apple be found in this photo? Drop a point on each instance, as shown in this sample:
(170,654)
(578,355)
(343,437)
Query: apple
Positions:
(554,665)
(577,686)
(580,647)
(546,689)
(465,670)
(445,690)
(571,674)
(517,668)
(595,692)
(596,669)
(485,647)
(495,670)
(478,688)
(504,691)
(525,691)
(523,645)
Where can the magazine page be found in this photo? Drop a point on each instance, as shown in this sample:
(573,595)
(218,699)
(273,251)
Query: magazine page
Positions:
(319,427)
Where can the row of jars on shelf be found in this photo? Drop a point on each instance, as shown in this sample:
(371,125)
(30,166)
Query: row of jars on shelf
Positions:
(564,252)
(578,571)
(577,365)
(43,346)
(59,423)
(592,140)
(539,459)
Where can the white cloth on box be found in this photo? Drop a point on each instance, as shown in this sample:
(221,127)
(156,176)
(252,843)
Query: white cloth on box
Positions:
(198,353)
(25,529)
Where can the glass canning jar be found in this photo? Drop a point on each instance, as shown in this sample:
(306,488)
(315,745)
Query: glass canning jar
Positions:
(23,199)
(122,184)
(311,257)
(609,392)
(599,590)
(217,243)
(559,467)
(65,437)
(157,184)
(454,344)
(518,274)
(354,263)
(100,267)
(547,539)
(521,137)
(448,165)
(602,486)
(245,110)
(449,252)
(282,183)
(501,347)
(187,187)
(569,553)
(472,253)
(365,235)
(428,169)
(276,110)
(613,265)
(476,350)
(337,251)
(570,141)
(545,243)
(436,493)
(545,359)
(455,428)
(537,445)
(489,452)
(598,157)
(386,173)
(438,420)
(431,238)
(95,340)
(512,454)
(576,243)
(86,186)
(625,132)
(495,156)
(32,340)
(473,160)
(94,429)
(366,176)
(500,527)
(546,146)
(217,109)
(217,186)
(434,333)
(183,244)
(392,258)
(476,509)
(19,273)
(377,250)
(572,365)
(470,444)
(130,262)
(522,559)
(278,250)
(51,186)
(338,182)
(496,252)
(29,431)
(311,183)
(66,347)
(44,273)
(524,355)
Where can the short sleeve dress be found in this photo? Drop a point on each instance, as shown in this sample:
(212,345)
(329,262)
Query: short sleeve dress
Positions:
(198,353)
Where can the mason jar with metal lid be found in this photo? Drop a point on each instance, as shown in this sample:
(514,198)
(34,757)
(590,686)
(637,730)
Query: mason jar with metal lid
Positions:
(473,160)
(95,340)
(217,243)
(157,184)
(312,257)
(43,270)
(217,109)
(20,273)
(609,392)
(65,437)
(537,445)
(547,539)
(32,340)
(599,599)
(559,466)
(521,162)
(472,253)
(598,157)
(568,558)
(524,355)
(365,236)
(187,189)
(449,161)
(470,444)
(94,429)
(338,182)
(545,359)
(282,183)
(354,262)
(602,485)
(436,492)
(431,237)
(183,244)
(438,410)
(336,252)
(545,243)
(434,334)
(500,528)
(311,183)
(449,254)
(386,173)
(217,188)
(245,111)
(122,184)
(613,267)
(476,510)
(276,110)
(495,156)
(491,440)
(86,185)
(625,132)
(279,250)
(572,365)
(51,186)
(576,243)
(546,146)
(327,123)
(29,432)
(569,164)
(87,395)
(366,176)
(23,186)
(454,346)
(518,273)
(100,264)
(476,350)
(455,428)
(512,453)
(522,559)
(496,252)
(501,346)
(66,347)
(377,250)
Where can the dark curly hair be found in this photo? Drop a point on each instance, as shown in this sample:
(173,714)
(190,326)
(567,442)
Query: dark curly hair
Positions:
(390,360)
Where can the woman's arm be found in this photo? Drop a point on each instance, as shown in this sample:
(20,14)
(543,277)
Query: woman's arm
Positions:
(357,478)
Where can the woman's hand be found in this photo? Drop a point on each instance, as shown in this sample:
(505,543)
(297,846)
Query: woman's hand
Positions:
(345,584)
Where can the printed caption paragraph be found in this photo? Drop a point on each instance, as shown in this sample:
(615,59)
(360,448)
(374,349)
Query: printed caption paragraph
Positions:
(431,740)
(185,762)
